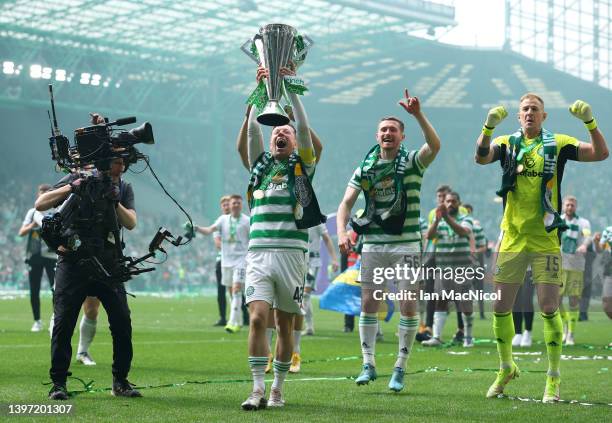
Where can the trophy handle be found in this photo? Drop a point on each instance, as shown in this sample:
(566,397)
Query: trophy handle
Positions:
(308,43)
(246,49)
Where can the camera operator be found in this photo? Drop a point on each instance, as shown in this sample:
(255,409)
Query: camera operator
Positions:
(74,281)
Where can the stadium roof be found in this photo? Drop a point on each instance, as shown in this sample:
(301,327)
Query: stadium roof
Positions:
(158,29)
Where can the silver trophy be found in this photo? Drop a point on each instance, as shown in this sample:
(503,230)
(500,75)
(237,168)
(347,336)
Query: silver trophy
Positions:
(275,45)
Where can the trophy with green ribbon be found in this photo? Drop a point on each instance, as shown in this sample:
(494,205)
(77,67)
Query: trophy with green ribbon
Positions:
(274,47)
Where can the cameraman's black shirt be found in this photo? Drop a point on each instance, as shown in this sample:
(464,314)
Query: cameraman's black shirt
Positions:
(127,193)
(97,231)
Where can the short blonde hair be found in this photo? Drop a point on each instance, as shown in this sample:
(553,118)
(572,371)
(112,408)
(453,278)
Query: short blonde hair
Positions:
(570,198)
(224,199)
(532,96)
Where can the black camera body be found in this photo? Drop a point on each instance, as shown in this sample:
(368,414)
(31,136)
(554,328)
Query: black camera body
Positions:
(99,145)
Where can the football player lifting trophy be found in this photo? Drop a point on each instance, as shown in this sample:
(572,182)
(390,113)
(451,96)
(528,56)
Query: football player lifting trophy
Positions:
(274,47)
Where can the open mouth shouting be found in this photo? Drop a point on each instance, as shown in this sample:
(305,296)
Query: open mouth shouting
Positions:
(387,141)
(281,143)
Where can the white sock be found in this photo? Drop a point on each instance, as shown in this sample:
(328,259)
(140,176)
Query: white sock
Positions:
(368,325)
(439,322)
(280,373)
(408,327)
(468,323)
(258,370)
(87,333)
(307,303)
(379,329)
(269,335)
(236,310)
(297,337)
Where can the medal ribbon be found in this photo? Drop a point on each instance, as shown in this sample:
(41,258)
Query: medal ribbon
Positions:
(527,149)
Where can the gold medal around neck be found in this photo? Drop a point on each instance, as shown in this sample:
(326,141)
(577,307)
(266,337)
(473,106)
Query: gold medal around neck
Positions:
(519,168)
(258,194)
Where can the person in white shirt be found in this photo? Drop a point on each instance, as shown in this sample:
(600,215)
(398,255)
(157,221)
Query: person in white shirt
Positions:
(233,230)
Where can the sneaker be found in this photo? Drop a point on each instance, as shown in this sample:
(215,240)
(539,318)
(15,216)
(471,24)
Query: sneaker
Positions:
(551,391)
(516,340)
(583,317)
(229,328)
(85,359)
(424,335)
(58,392)
(255,401)
(569,339)
(347,329)
(123,388)
(458,338)
(504,376)
(309,332)
(396,384)
(526,340)
(269,365)
(37,326)
(468,342)
(220,322)
(432,342)
(296,361)
(276,398)
(368,373)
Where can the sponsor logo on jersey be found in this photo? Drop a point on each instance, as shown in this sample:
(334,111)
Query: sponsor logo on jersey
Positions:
(531,173)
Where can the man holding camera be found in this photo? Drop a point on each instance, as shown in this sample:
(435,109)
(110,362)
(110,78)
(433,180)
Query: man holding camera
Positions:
(74,280)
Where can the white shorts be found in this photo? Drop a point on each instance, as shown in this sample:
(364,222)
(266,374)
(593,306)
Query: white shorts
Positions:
(276,276)
(232,275)
(376,258)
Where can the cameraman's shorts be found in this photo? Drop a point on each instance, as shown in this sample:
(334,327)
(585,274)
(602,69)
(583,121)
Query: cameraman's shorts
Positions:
(232,275)
(395,263)
(276,276)
(573,283)
(519,251)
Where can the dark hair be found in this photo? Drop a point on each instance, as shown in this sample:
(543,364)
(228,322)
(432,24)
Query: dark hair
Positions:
(236,197)
(444,188)
(455,194)
(394,119)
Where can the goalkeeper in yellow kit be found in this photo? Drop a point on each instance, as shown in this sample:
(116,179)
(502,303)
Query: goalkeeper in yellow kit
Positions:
(532,160)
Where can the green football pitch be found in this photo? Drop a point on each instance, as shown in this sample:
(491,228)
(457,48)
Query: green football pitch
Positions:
(192,371)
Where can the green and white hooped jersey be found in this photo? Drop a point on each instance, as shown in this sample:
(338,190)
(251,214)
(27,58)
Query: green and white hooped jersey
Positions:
(272,219)
(479,237)
(452,249)
(571,239)
(385,193)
